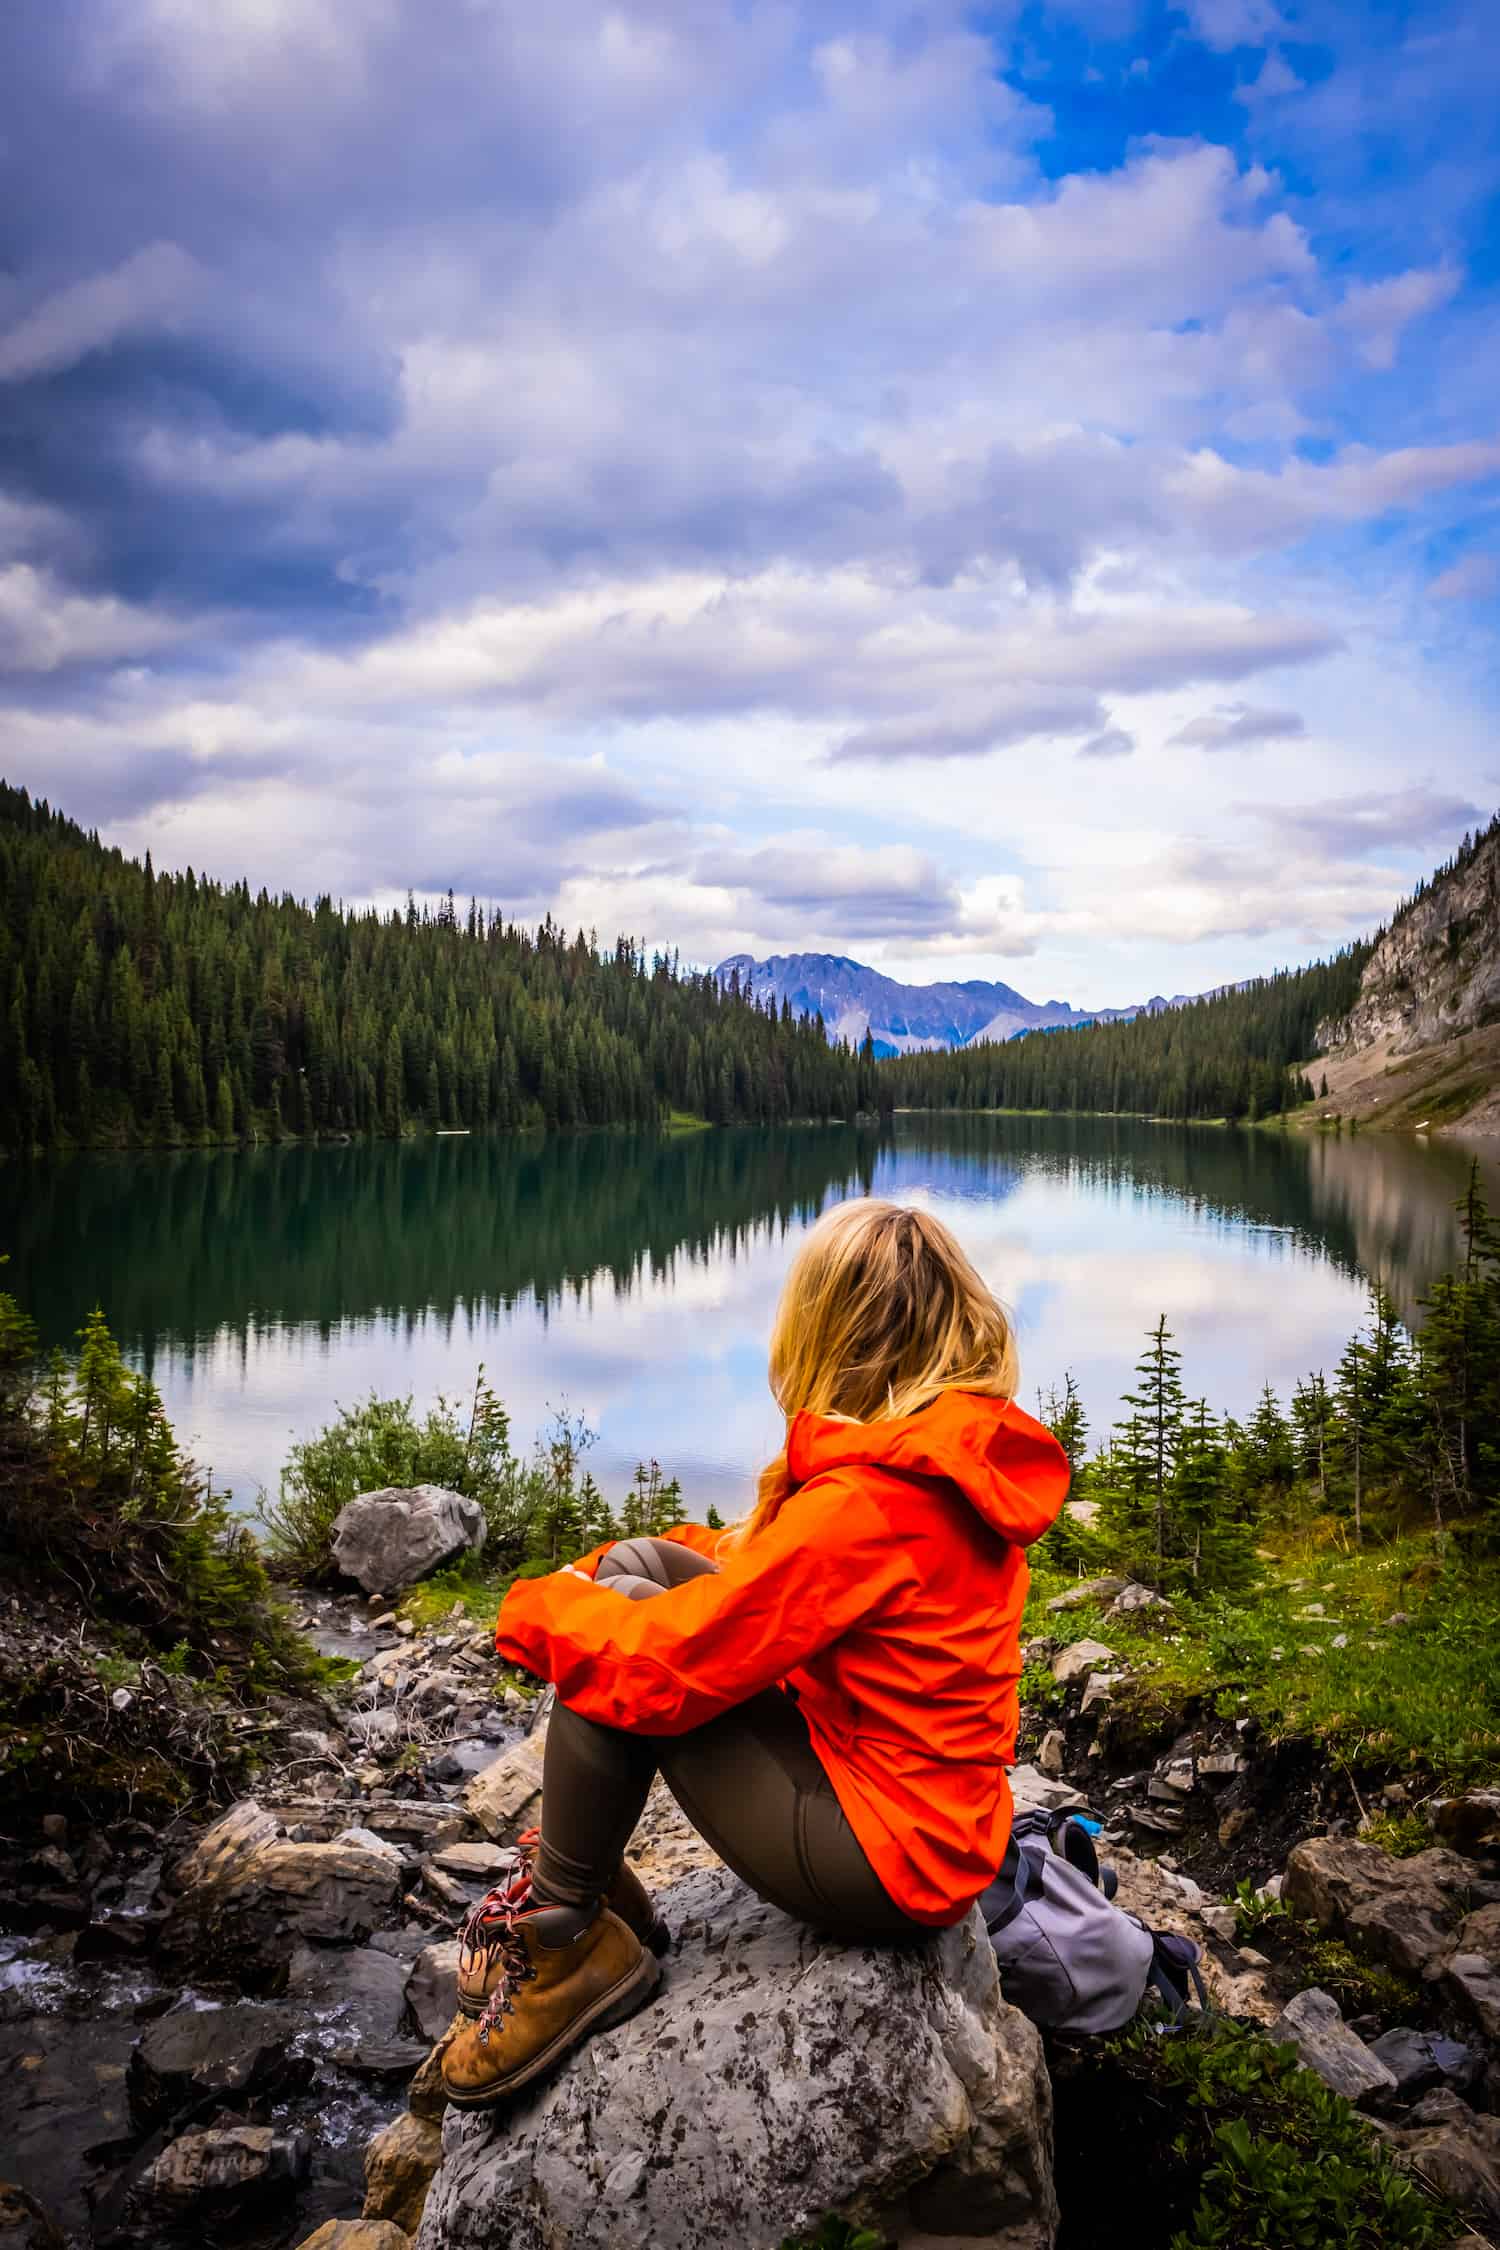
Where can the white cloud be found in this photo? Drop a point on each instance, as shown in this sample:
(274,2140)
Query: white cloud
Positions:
(150,289)
(1470,579)
(1239,726)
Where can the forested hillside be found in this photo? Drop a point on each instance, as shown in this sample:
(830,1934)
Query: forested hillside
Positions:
(143,1008)
(1230,1055)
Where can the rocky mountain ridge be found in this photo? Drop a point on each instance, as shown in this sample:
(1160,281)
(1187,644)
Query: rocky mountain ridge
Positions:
(1435,974)
(906,1018)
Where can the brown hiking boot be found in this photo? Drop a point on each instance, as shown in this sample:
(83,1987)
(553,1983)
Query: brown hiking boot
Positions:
(479,1960)
(558,1984)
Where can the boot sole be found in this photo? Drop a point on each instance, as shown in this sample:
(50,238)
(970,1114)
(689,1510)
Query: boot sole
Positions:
(622,2001)
(657,1940)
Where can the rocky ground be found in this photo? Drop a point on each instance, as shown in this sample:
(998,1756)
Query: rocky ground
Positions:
(221,2035)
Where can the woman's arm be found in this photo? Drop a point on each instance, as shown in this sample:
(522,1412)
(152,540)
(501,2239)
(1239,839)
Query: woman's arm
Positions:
(825,1564)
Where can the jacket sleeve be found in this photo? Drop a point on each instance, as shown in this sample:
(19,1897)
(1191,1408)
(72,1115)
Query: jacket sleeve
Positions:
(826,1564)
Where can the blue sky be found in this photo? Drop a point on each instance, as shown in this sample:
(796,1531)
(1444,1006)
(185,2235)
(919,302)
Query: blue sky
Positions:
(1011,492)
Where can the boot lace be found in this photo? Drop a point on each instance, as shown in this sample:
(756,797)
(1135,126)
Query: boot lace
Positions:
(491,1929)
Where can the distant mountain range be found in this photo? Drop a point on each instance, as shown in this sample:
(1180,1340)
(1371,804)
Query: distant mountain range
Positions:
(902,1018)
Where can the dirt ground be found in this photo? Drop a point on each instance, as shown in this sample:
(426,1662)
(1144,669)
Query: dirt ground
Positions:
(1452,1088)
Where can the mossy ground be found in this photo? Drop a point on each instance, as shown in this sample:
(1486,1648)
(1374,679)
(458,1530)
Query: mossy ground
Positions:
(1418,1699)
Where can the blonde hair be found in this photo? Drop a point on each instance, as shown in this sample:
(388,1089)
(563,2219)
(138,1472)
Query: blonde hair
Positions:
(881,1313)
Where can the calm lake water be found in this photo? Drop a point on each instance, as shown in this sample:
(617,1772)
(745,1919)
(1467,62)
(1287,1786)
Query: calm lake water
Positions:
(634,1280)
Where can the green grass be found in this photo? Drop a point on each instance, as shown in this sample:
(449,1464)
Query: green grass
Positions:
(1424,1696)
(686,1121)
(480,1590)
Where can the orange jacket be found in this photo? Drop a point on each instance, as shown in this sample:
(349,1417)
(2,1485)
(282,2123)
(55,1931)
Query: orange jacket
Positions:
(887,1592)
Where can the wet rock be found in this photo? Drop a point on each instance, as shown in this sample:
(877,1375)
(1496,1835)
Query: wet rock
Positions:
(1402,1911)
(432,1988)
(1456,2151)
(1077,1662)
(241,1924)
(1469,1824)
(1089,1590)
(24,2225)
(399,2165)
(347,1995)
(1421,2060)
(777,2077)
(425,2096)
(391,1538)
(1316,2028)
(194,2052)
(358,2234)
(506,1797)
(228,2162)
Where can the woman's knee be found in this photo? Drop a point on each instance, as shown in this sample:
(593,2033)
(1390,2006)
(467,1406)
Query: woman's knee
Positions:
(660,1563)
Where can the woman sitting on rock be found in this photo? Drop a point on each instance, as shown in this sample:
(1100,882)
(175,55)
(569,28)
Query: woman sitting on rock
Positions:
(828,1689)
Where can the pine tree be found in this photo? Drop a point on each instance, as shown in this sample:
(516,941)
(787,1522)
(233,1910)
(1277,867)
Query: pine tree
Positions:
(1066,1419)
(1152,1435)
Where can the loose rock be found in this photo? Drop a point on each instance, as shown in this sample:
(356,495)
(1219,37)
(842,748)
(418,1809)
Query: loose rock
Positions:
(1077,1662)
(1313,2024)
(358,2234)
(229,2161)
(1421,2060)
(432,1988)
(506,1797)
(1456,2151)
(241,1925)
(24,2225)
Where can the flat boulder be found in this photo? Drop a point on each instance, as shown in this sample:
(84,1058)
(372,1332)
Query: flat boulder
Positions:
(241,1924)
(1406,1912)
(390,1539)
(505,1797)
(777,2078)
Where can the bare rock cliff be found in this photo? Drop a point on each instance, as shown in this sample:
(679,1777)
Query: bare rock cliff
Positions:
(1436,972)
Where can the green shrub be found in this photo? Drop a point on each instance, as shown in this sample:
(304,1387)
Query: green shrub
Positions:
(1225,2141)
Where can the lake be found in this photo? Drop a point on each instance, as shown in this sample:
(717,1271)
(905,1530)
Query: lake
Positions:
(633,1280)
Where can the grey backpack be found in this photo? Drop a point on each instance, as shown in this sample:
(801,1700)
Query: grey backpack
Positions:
(1068,1956)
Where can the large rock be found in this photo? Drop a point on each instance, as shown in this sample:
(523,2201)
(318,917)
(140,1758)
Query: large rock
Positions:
(391,1538)
(1403,1911)
(1313,2024)
(777,2077)
(1455,2152)
(1422,2060)
(197,2052)
(348,1998)
(241,1924)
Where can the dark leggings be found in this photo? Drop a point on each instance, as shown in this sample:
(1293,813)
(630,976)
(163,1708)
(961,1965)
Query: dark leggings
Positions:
(750,1782)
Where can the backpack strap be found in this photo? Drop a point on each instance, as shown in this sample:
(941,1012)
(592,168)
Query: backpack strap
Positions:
(1019,1883)
(1175,1975)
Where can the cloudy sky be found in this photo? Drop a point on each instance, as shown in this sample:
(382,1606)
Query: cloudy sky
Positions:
(997,493)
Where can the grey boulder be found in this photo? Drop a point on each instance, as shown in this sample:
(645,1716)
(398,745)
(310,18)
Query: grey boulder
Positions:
(1455,2152)
(777,2078)
(227,2163)
(1313,2025)
(390,1539)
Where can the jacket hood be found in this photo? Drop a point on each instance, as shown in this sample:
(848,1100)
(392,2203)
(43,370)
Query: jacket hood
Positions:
(1009,1468)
